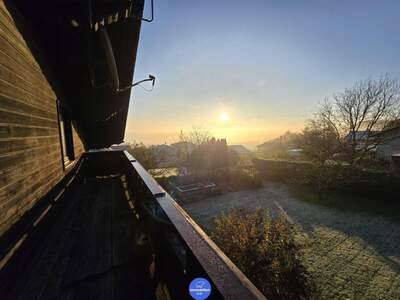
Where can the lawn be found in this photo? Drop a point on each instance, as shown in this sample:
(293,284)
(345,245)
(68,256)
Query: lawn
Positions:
(350,203)
(350,255)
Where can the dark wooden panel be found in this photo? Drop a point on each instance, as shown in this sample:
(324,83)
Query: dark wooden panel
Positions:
(15,159)
(11,191)
(15,131)
(17,144)
(19,106)
(12,35)
(40,182)
(12,173)
(26,119)
(13,77)
(78,146)
(30,150)
(93,255)
(10,54)
(9,89)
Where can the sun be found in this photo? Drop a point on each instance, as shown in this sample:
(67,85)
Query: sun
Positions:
(223,117)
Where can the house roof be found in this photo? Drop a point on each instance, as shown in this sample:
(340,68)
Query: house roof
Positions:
(393,128)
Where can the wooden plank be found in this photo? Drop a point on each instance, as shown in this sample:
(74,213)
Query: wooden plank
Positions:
(71,256)
(100,287)
(78,145)
(7,21)
(24,188)
(130,261)
(11,90)
(19,118)
(14,78)
(43,258)
(30,197)
(11,35)
(12,145)
(14,60)
(17,144)
(124,226)
(22,191)
(20,157)
(30,202)
(13,173)
(10,182)
(14,170)
(133,279)
(24,131)
(93,252)
(4,8)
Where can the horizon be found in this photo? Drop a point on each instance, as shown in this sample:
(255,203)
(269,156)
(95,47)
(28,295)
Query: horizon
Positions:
(266,66)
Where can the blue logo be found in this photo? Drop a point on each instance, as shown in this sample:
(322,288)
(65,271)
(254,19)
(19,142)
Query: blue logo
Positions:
(200,289)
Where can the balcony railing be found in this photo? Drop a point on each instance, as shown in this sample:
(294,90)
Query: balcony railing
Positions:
(178,249)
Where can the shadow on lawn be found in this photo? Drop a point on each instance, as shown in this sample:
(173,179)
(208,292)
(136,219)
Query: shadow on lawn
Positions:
(376,222)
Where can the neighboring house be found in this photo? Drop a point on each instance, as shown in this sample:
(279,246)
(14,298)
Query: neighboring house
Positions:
(391,144)
(167,155)
(363,138)
(185,147)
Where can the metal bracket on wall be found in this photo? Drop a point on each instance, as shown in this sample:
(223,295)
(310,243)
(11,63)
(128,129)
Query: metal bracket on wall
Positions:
(151,15)
(110,57)
(112,64)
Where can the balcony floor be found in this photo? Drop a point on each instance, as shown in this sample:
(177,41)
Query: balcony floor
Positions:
(84,249)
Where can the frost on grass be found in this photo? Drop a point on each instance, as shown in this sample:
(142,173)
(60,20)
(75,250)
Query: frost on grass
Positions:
(349,255)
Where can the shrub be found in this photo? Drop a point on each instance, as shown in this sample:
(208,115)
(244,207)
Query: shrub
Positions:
(331,176)
(281,170)
(265,250)
(323,177)
(236,179)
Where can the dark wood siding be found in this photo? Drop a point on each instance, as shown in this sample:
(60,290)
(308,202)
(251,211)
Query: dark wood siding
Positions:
(30,153)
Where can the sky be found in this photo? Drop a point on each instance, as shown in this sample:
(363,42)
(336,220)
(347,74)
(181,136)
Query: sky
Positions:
(250,70)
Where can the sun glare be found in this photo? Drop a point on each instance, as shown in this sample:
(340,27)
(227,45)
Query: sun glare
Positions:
(223,117)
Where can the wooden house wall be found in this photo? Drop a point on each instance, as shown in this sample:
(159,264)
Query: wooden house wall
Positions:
(30,152)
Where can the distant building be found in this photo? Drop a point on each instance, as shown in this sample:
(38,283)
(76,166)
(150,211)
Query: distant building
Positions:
(387,141)
(184,147)
(363,138)
(167,155)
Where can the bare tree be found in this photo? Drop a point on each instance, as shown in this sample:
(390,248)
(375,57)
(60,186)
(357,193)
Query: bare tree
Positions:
(191,140)
(196,136)
(319,141)
(149,158)
(359,113)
